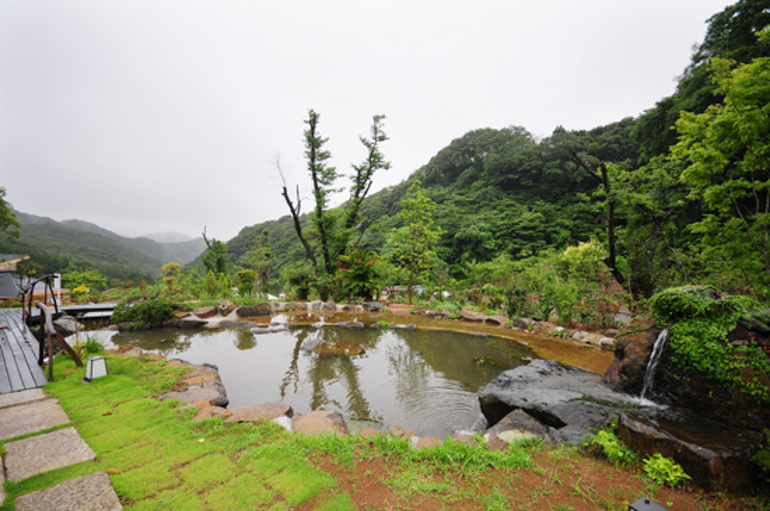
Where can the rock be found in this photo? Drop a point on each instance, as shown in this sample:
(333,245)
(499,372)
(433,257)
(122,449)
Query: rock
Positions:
(191,323)
(464,438)
(296,306)
(512,436)
(498,319)
(525,322)
(310,344)
(204,384)
(716,456)
(434,314)
(329,306)
(209,395)
(623,316)
(476,317)
(344,349)
(316,305)
(320,422)
(67,325)
(569,402)
(519,420)
(588,338)
(259,309)
(607,343)
(181,314)
(626,372)
(495,443)
(205,312)
(373,306)
(352,307)
(284,422)
(225,307)
(351,324)
(399,432)
(268,329)
(424,442)
(207,411)
(268,412)
(371,433)
(229,323)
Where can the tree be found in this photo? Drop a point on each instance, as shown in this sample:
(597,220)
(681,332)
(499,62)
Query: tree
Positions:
(171,273)
(215,258)
(333,229)
(245,280)
(726,152)
(8,220)
(259,259)
(411,247)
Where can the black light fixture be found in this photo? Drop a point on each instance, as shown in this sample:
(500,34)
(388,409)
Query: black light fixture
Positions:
(645,504)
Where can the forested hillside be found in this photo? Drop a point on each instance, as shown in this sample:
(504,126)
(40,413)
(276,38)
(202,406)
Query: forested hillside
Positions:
(54,245)
(670,199)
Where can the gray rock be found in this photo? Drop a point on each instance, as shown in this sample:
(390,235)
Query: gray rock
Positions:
(268,412)
(268,329)
(67,325)
(498,319)
(329,306)
(714,455)
(190,323)
(320,422)
(351,324)
(260,309)
(520,421)
(373,306)
(211,395)
(570,402)
(525,322)
(316,305)
(225,307)
(476,317)
(205,312)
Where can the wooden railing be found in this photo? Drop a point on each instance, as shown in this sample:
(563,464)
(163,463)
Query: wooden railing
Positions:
(49,334)
(28,296)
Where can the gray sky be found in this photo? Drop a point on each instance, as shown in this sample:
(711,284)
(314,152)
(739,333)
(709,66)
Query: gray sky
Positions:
(146,116)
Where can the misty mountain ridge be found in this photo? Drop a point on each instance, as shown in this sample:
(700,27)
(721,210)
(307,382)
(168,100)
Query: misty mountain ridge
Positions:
(52,244)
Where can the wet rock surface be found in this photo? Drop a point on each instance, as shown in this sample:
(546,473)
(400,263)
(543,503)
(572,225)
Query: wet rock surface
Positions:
(568,402)
(716,456)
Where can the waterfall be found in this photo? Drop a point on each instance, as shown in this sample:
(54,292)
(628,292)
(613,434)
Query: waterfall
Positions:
(657,349)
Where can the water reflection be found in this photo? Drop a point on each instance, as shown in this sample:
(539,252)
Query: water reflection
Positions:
(423,380)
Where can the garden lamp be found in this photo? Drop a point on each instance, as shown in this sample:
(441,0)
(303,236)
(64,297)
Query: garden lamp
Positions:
(96,367)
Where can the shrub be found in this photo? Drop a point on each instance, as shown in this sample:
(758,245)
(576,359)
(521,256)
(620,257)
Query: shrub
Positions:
(613,448)
(148,313)
(665,471)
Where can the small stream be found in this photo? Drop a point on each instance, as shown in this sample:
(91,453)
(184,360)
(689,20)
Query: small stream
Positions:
(424,380)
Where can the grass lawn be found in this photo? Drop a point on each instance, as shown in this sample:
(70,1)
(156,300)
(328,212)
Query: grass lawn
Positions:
(157,457)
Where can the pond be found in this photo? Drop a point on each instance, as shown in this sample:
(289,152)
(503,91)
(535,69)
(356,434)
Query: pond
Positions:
(417,379)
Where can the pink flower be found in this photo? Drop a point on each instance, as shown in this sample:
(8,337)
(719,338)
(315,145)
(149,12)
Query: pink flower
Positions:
(534,298)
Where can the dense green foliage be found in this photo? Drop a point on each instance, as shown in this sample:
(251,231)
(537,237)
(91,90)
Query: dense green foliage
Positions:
(699,338)
(8,220)
(146,313)
(672,201)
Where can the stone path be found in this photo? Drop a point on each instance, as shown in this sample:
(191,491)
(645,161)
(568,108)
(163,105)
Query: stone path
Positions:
(29,412)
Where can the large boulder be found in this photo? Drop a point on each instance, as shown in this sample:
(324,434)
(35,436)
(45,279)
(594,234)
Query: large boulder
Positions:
(320,422)
(717,457)
(569,402)
(626,372)
(259,309)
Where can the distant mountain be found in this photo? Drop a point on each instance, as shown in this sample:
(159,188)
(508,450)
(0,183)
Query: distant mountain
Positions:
(53,244)
(168,237)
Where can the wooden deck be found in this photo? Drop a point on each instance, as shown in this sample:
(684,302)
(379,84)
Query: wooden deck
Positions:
(18,355)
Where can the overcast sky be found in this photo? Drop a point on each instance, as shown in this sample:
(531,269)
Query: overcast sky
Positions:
(146,116)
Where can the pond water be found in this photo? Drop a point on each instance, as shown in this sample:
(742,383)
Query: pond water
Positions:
(418,379)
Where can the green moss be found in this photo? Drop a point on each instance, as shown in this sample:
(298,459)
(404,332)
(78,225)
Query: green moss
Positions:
(698,338)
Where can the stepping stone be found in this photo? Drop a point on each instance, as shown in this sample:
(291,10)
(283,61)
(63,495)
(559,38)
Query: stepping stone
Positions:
(94,492)
(37,454)
(30,417)
(25,396)
(267,412)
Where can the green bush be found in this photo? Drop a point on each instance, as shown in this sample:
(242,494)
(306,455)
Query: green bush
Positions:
(147,313)
(665,471)
(613,448)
